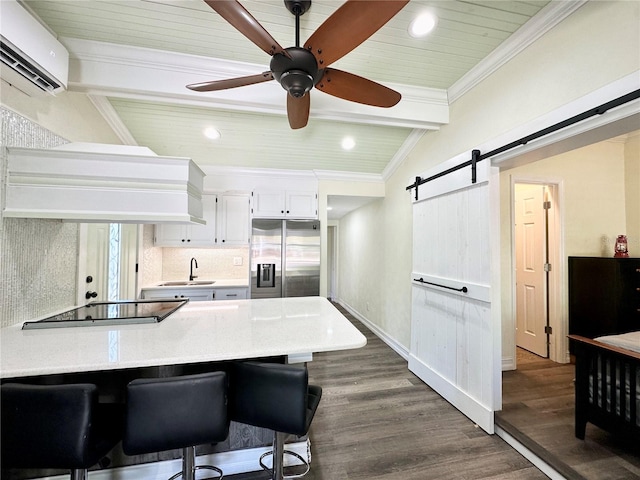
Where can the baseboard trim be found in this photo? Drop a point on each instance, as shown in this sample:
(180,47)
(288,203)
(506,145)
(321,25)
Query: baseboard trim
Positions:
(508,363)
(377,331)
(231,463)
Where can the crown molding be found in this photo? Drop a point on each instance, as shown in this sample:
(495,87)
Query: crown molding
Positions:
(327,175)
(404,150)
(338,176)
(112,118)
(257,172)
(550,16)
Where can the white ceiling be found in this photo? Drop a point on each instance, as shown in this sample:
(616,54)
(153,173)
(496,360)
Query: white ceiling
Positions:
(134,57)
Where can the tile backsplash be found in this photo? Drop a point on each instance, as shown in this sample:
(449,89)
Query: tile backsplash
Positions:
(212,263)
(38,258)
(172,264)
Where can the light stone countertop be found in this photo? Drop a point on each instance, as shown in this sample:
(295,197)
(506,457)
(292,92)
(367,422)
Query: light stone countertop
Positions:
(198,332)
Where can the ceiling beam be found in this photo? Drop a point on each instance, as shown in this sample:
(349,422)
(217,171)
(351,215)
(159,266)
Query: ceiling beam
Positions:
(99,68)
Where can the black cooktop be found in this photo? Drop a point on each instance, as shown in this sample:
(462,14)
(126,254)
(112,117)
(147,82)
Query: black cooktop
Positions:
(111,313)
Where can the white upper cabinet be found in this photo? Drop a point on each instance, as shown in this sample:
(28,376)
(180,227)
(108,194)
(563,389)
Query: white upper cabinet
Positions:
(301,204)
(227,218)
(233,220)
(284,204)
(268,204)
(179,235)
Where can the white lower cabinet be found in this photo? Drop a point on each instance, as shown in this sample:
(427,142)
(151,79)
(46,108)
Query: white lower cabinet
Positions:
(193,294)
(198,294)
(230,293)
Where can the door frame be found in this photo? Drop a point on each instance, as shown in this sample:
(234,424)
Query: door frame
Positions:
(332,263)
(558,343)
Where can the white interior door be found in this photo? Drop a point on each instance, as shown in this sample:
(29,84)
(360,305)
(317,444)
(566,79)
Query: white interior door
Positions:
(107,262)
(455,317)
(93,265)
(530,243)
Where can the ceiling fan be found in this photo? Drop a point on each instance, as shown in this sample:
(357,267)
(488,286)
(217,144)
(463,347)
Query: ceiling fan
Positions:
(299,69)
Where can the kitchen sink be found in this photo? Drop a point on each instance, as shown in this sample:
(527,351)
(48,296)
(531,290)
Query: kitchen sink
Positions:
(187,283)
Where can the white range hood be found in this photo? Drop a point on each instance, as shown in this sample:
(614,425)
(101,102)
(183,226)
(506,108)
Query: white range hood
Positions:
(88,182)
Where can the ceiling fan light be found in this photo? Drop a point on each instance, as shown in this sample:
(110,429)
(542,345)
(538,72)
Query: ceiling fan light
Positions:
(296,82)
(422,25)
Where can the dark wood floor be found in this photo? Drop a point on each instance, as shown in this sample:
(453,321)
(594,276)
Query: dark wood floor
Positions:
(377,420)
(538,400)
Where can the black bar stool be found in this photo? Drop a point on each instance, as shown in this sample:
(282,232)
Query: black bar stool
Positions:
(177,412)
(277,397)
(57,426)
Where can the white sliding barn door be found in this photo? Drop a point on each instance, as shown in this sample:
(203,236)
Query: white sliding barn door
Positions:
(455,329)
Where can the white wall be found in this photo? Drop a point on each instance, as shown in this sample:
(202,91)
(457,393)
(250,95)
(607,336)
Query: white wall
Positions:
(363,187)
(593,201)
(68,114)
(596,45)
(359,286)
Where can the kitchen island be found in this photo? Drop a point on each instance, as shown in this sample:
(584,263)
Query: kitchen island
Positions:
(200,336)
(199,332)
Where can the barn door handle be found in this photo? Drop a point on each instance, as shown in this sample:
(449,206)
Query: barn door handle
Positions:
(421,280)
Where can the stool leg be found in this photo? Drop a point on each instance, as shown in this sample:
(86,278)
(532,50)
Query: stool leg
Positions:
(188,464)
(278,455)
(79,474)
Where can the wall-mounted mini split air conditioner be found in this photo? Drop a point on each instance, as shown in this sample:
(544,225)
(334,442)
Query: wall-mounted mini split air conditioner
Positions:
(33,60)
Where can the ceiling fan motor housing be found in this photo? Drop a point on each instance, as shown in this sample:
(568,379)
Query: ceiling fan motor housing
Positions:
(297,74)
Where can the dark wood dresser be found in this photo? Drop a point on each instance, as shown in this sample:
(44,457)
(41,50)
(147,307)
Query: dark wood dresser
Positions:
(604,295)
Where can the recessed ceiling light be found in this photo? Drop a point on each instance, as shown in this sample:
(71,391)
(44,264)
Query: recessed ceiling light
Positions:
(211,133)
(348,143)
(422,24)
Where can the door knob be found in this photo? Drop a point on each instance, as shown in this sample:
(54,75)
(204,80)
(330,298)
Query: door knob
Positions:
(90,294)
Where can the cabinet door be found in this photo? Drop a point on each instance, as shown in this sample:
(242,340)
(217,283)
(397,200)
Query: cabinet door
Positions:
(179,235)
(268,204)
(194,295)
(170,235)
(594,296)
(233,221)
(204,235)
(629,308)
(301,204)
(230,293)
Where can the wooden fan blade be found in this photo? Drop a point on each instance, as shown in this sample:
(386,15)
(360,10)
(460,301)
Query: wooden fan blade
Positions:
(349,26)
(243,21)
(357,89)
(230,82)
(298,110)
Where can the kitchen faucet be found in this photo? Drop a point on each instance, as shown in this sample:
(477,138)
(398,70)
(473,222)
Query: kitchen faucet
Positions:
(191,275)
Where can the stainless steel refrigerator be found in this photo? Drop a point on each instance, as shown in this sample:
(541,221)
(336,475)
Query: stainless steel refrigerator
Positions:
(285,258)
